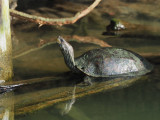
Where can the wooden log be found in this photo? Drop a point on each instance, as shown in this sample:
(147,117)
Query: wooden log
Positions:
(6,72)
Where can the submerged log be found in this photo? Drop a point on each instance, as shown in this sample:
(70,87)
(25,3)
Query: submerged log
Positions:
(5,42)
(64,92)
(52,90)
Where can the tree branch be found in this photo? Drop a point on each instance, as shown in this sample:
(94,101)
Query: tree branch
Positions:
(50,21)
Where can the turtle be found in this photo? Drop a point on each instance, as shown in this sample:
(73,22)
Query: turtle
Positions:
(115,25)
(105,61)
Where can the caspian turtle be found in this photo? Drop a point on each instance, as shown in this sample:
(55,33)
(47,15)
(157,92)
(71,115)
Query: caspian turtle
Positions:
(105,62)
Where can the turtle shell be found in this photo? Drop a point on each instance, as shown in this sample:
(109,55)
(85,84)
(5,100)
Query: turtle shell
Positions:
(107,62)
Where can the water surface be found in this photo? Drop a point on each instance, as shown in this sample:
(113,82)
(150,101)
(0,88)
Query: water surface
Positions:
(50,87)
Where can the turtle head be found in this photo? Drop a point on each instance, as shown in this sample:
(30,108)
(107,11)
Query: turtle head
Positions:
(67,51)
(65,47)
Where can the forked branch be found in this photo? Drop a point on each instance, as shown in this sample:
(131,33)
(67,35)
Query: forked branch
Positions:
(52,21)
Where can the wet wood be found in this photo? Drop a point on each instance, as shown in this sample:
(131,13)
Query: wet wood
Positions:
(25,103)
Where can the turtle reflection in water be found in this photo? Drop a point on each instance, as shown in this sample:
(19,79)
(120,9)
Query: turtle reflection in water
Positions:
(104,62)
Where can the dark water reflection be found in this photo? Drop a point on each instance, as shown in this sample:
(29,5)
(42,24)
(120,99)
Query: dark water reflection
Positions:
(7,106)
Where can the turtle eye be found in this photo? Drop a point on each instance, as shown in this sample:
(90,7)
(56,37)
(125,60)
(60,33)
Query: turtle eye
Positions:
(61,40)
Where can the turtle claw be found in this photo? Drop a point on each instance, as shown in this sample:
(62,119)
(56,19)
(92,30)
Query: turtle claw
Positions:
(87,81)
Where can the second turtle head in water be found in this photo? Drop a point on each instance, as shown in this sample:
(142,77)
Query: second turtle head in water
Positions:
(105,62)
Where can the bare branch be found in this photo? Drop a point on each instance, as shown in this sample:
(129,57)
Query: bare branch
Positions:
(50,21)
(82,39)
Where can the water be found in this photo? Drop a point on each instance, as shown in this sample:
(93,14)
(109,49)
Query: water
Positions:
(46,90)
(98,102)
(140,101)
(122,99)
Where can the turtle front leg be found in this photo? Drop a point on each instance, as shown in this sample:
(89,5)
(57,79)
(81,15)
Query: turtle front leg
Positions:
(88,80)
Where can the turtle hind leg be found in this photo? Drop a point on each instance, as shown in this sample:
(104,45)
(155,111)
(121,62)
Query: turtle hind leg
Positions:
(88,80)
